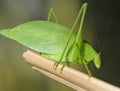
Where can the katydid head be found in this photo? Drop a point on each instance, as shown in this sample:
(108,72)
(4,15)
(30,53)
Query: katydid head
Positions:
(97,60)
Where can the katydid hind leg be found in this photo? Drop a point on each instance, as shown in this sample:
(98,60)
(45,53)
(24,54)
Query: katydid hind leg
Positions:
(52,13)
(83,8)
(78,39)
(76,48)
(80,14)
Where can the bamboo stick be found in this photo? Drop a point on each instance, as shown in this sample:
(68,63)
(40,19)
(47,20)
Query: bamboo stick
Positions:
(70,77)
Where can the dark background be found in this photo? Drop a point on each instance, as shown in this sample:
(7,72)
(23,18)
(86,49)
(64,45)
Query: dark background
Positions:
(106,15)
(102,16)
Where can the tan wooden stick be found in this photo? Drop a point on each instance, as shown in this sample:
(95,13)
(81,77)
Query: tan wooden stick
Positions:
(61,80)
(70,77)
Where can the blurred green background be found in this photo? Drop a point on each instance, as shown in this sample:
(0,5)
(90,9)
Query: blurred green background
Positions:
(102,15)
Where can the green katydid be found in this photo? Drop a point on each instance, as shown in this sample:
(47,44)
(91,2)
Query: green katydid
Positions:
(55,41)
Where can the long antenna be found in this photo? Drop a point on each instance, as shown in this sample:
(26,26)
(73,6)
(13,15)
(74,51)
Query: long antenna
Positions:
(97,39)
(106,34)
(92,23)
